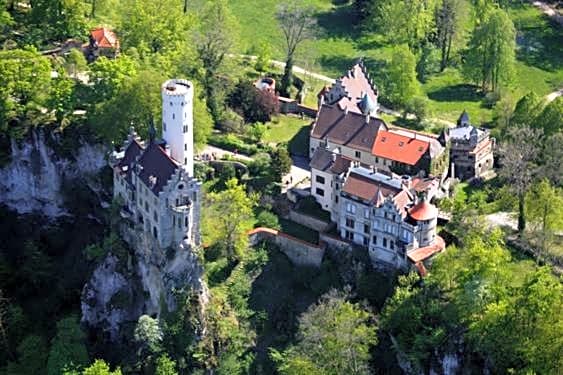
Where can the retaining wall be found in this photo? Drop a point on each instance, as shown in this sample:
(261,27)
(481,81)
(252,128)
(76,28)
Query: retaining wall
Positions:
(301,253)
(335,242)
(309,221)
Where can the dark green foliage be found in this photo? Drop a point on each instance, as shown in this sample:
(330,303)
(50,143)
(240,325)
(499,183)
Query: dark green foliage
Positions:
(68,350)
(253,104)
(59,19)
(281,162)
(551,118)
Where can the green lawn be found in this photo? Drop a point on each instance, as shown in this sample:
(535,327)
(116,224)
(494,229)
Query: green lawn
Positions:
(283,128)
(290,129)
(539,66)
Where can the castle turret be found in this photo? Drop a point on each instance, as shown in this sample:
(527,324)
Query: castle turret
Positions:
(177,121)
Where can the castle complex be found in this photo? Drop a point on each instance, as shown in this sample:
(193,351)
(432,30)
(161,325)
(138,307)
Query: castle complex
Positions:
(154,179)
(377,181)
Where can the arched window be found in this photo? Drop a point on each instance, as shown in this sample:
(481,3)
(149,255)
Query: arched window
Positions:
(186,221)
(155,233)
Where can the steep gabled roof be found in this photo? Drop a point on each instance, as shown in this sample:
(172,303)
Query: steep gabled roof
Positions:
(156,168)
(398,147)
(125,165)
(346,127)
(356,83)
(105,38)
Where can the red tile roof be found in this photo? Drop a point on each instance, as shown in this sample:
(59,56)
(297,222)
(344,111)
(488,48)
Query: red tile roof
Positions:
(423,211)
(423,253)
(397,147)
(105,38)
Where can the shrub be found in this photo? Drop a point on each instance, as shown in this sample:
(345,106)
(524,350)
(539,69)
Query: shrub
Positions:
(268,219)
(254,104)
(232,143)
(419,107)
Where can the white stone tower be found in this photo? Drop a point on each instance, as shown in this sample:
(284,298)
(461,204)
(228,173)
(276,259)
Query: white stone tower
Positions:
(178,121)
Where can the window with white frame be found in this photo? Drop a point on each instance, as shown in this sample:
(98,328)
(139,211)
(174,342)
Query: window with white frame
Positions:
(366,213)
(351,208)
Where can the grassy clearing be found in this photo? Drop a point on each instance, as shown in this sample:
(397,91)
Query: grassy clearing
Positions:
(539,66)
(284,128)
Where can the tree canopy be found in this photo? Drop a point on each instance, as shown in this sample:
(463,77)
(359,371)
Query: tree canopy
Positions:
(491,52)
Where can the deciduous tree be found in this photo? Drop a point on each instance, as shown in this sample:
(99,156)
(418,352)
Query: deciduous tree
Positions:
(544,211)
(407,22)
(448,27)
(153,26)
(552,155)
(215,37)
(68,351)
(527,110)
(519,157)
(228,218)
(297,25)
(402,85)
(491,55)
(551,118)
(334,337)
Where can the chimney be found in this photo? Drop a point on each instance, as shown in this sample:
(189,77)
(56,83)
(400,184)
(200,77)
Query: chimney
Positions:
(345,110)
(368,118)
(333,156)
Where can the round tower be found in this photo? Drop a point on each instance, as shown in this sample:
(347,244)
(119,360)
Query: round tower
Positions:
(178,122)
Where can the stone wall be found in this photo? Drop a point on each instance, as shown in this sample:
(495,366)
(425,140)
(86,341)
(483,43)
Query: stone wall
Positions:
(335,243)
(309,221)
(288,105)
(301,253)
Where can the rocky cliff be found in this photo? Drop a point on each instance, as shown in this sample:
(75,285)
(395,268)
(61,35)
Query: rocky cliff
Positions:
(57,178)
(34,179)
(149,282)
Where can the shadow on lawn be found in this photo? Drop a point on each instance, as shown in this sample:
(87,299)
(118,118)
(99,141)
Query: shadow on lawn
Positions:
(299,144)
(341,22)
(456,93)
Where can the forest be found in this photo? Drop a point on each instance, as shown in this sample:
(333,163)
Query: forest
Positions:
(491,302)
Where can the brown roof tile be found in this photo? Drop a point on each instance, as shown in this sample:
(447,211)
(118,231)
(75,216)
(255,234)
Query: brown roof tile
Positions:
(156,168)
(366,188)
(323,160)
(346,128)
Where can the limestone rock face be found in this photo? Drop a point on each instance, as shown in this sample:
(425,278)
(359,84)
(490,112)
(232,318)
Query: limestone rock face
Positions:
(35,176)
(118,294)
